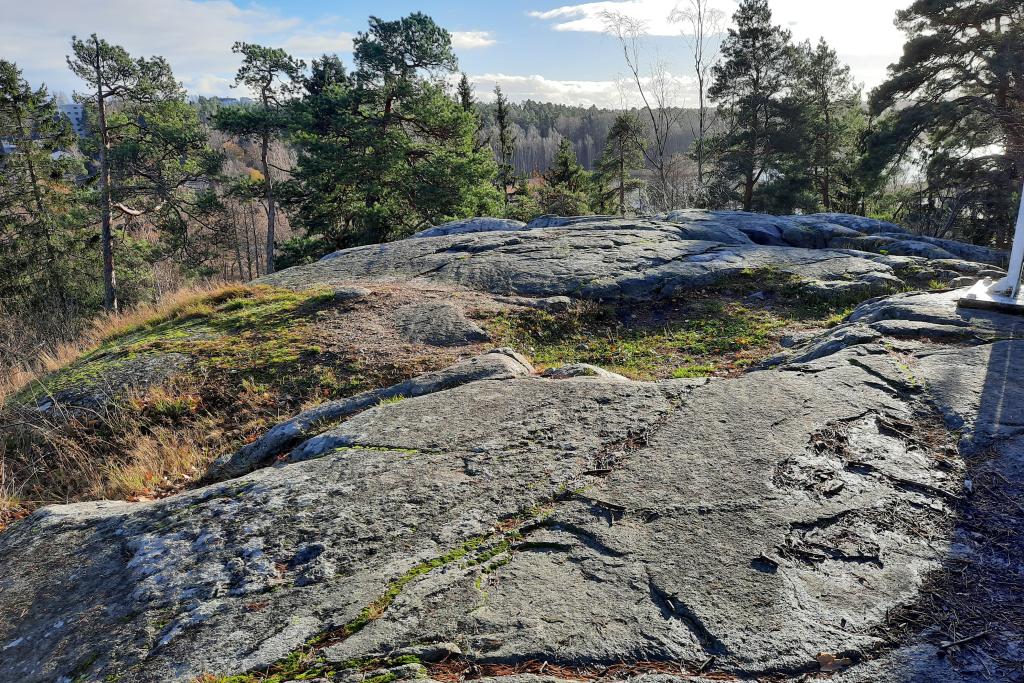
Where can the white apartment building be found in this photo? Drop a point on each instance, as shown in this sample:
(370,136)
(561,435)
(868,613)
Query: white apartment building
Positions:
(75,113)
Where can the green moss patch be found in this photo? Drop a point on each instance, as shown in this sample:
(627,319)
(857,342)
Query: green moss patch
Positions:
(252,332)
(718,330)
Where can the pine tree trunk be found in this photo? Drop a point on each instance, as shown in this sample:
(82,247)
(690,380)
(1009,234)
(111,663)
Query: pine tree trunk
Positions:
(826,189)
(237,245)
(106,234)
(255,241)
(622,180)
(748,190)
(271,210)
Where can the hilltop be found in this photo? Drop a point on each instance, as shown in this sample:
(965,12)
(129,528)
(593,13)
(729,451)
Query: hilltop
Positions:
(697,446)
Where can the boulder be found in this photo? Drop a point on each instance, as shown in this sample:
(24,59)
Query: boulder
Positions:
(960,250)
(595,260)
(583,370)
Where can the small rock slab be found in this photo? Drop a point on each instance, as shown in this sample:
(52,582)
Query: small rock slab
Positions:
(437,323)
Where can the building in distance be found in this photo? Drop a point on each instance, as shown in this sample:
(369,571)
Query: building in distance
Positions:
(75,113)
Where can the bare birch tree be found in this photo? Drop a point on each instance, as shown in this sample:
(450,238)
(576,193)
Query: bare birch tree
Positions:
(701,24)
(658,93)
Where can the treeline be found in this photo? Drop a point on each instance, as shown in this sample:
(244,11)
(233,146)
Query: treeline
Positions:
(539,127)
(783,127)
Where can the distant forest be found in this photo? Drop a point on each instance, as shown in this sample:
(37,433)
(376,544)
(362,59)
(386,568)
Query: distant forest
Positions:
(540,126)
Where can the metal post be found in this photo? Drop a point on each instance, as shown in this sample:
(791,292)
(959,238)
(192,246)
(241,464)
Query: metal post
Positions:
(1003,295)
(1011,283)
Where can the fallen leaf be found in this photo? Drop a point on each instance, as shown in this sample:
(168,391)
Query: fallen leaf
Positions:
(829,662)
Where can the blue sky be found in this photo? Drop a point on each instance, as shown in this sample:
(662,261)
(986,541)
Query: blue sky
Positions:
(539,49)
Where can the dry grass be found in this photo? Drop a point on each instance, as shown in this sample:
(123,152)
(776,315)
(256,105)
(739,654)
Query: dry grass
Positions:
(149,444)
(145,443)
(181,303)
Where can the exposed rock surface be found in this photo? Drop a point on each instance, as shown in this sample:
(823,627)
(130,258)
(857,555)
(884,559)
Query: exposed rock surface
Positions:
(816,231)
(471,225)
(437,324)
(600,257)
(498,364)
(765,527)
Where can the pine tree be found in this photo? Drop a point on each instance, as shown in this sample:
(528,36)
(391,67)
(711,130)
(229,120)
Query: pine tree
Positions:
(565,170)
(273,76)
(956,96)
(386,150)
(622,157)
(506,176)
(465,93)
(832,124)
(37,193)
(135,84)
(567,184)
(749,85)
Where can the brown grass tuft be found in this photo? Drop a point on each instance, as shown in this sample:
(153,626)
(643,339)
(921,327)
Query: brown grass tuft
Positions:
(180,304)
(149,444)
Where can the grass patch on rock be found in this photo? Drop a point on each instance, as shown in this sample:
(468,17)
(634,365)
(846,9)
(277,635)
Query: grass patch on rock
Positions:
(720,330)
(158,396)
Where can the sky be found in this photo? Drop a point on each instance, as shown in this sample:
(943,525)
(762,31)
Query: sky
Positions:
(535,49)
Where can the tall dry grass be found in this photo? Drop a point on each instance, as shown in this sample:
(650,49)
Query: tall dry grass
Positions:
(24,368)
(143,443)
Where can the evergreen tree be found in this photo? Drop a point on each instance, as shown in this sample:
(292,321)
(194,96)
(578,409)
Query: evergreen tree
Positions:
(386,150)
(566,184)
(565,170)
(37,196)
(324,73)
(750,86)
(157,167)
(465,93)
(273,76)
(832,124)
(614,175)
(135,84)
(506,175)
(955,97)
(315,111)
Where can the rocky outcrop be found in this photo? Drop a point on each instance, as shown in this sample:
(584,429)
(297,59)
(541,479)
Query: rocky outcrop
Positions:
(293,433)
(804,517)
(471,225)
(647,260)
(754,522)
(817,231)
(437,324)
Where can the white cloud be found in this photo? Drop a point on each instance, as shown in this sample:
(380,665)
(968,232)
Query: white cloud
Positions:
(469,40)
(207,85)
(310,46)
(862,32)
(587,16)
(610,94)
(194,36)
